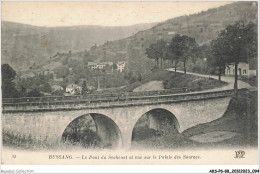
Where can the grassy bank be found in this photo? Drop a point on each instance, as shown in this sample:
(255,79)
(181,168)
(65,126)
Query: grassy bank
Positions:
(177,80)
(250,80)
(18,141)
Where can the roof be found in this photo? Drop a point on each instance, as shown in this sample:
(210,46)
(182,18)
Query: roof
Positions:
(120,62)
(99,63)
(73,86)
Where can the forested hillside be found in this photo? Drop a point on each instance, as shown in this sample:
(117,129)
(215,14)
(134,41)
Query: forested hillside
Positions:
(203,26)
(24,45)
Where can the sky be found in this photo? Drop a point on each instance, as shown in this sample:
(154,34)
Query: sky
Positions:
(51,14)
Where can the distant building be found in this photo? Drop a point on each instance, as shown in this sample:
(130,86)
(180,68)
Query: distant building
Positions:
(171,32)
(98,65)
(120,66)
(45,72)
(28,75)
(243,69)
(92,65)
(73,89)
(56,88)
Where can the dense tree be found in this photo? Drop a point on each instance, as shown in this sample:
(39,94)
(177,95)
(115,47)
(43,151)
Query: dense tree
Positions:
(216,57)
(62,71)
(183,47)
(161,51)
(86,58)
(37,83)
(46,87)
(114,67)
(239,44)
(130,77)
(169,55)
(84,87)
(65,60)
(107,68)
(157,51)
(8,87)
(22,92)
(139,77)
(152,53)
(34,93)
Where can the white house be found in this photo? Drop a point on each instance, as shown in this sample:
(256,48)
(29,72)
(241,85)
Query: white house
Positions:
(243,69)
(92,65)
(98,65)
(73,89)
(120,66)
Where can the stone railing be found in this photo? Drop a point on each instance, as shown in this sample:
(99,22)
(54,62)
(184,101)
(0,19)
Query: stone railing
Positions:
(99,96)
(123,101)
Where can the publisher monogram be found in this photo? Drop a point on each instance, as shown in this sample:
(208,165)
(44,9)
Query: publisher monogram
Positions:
(240,154)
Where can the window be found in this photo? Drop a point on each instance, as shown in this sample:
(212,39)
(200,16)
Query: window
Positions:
(244,71)
(228,70)
(233,71)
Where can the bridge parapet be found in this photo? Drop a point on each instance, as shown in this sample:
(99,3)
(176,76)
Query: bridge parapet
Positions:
(86,103)
(98,96)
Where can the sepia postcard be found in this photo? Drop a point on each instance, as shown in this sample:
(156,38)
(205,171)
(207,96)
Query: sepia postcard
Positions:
(133,82)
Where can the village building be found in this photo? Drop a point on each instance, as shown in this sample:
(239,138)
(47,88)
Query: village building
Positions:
(120,66)
(73,89)
(243,69)
(98,65)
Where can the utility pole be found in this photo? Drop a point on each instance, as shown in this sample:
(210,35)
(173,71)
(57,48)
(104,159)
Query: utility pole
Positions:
(98,88)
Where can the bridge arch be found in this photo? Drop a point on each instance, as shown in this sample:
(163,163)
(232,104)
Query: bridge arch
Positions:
(105,128)
(156,119)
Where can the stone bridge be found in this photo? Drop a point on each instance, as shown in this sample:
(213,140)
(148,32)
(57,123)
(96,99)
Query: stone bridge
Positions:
(114,118)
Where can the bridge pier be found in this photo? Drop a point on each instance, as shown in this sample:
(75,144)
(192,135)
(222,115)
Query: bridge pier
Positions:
(107,130)
(126,140)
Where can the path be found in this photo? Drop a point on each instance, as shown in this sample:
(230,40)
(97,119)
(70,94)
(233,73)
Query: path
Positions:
(150,86)
(229,80)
